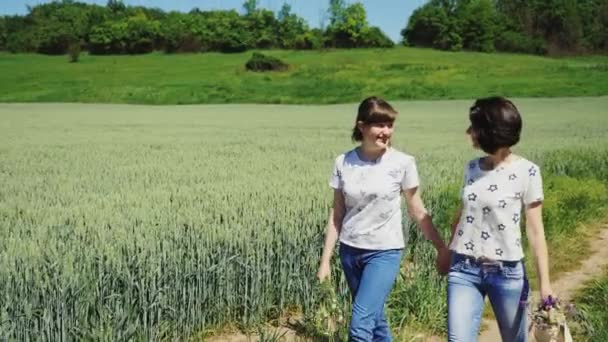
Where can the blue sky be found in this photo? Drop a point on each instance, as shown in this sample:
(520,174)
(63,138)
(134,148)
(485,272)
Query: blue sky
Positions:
(390,15)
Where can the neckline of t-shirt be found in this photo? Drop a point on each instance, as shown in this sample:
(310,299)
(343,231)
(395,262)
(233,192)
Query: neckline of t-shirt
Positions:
(500,167)
(372,162)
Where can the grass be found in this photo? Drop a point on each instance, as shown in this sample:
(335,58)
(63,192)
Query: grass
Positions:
(573,214)
(149,222)
(315,77)
(591,303)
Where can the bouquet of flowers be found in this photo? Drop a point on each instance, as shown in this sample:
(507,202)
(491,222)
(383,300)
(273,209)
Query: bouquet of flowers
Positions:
(549,322)
(328,315)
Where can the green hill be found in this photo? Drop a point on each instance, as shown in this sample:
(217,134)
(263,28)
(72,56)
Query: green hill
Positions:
(314,77)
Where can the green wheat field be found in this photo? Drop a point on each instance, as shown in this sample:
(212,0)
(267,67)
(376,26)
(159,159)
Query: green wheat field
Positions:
(141,222)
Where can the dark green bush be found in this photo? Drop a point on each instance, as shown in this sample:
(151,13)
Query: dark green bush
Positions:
(261,62)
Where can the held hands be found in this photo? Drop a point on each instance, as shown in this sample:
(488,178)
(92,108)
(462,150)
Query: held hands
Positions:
(443,261)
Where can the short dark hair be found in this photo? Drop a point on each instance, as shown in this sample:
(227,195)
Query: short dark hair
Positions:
(496,123)
(373,110)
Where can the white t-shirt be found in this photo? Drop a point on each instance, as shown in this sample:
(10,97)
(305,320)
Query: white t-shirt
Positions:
(492,204)
(372,198)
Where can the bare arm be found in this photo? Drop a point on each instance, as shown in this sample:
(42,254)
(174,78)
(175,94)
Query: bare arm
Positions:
(455,224)
(332,231)
(536,236)
(418,212)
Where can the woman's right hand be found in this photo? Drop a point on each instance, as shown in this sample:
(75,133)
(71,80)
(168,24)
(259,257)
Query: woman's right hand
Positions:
(324,272)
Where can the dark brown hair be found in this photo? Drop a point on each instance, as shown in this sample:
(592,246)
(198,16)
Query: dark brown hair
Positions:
(496,123)
(373,110)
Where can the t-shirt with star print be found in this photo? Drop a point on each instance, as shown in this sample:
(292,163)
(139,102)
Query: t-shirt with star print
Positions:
(492,204)
(372,190)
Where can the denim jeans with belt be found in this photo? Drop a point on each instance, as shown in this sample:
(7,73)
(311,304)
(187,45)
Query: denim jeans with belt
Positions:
(506,285)
(370,275)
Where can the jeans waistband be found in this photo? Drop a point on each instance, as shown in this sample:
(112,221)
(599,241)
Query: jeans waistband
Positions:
(352,249)
(484,261)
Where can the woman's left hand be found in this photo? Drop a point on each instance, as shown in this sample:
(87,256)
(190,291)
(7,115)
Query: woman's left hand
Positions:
(546,292)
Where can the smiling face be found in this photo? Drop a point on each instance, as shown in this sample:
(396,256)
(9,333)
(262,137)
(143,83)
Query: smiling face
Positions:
(377,135)
(374,124)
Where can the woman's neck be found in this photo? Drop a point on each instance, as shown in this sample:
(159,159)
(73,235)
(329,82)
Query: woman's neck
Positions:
(369,153)
(501,156)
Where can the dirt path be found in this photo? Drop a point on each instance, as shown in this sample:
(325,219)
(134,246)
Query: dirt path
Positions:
(280,334)
(568,282)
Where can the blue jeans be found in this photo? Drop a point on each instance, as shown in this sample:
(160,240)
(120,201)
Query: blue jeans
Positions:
(505,283)
(370,275)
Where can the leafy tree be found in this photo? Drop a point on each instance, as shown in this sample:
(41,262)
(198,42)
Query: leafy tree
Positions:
(598,30)
(116,6)
(558,22)
(477,23)
(260,29)
(58,25)
(291,29)
(336,12)
(3,33)
(225,31)
(250,6)
(132,35)
(430,26)
(374,37)
(347,26)
(181,33)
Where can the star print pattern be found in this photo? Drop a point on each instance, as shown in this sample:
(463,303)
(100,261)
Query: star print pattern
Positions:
(515,218)
(491,215)
(395,173)
(470,245)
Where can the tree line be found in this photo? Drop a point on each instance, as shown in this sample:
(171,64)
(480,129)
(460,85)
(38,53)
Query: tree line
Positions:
(116,28)
(528,26)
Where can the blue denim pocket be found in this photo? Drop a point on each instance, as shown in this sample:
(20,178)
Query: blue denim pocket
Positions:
(457,265)
(513,271)
(461,264)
